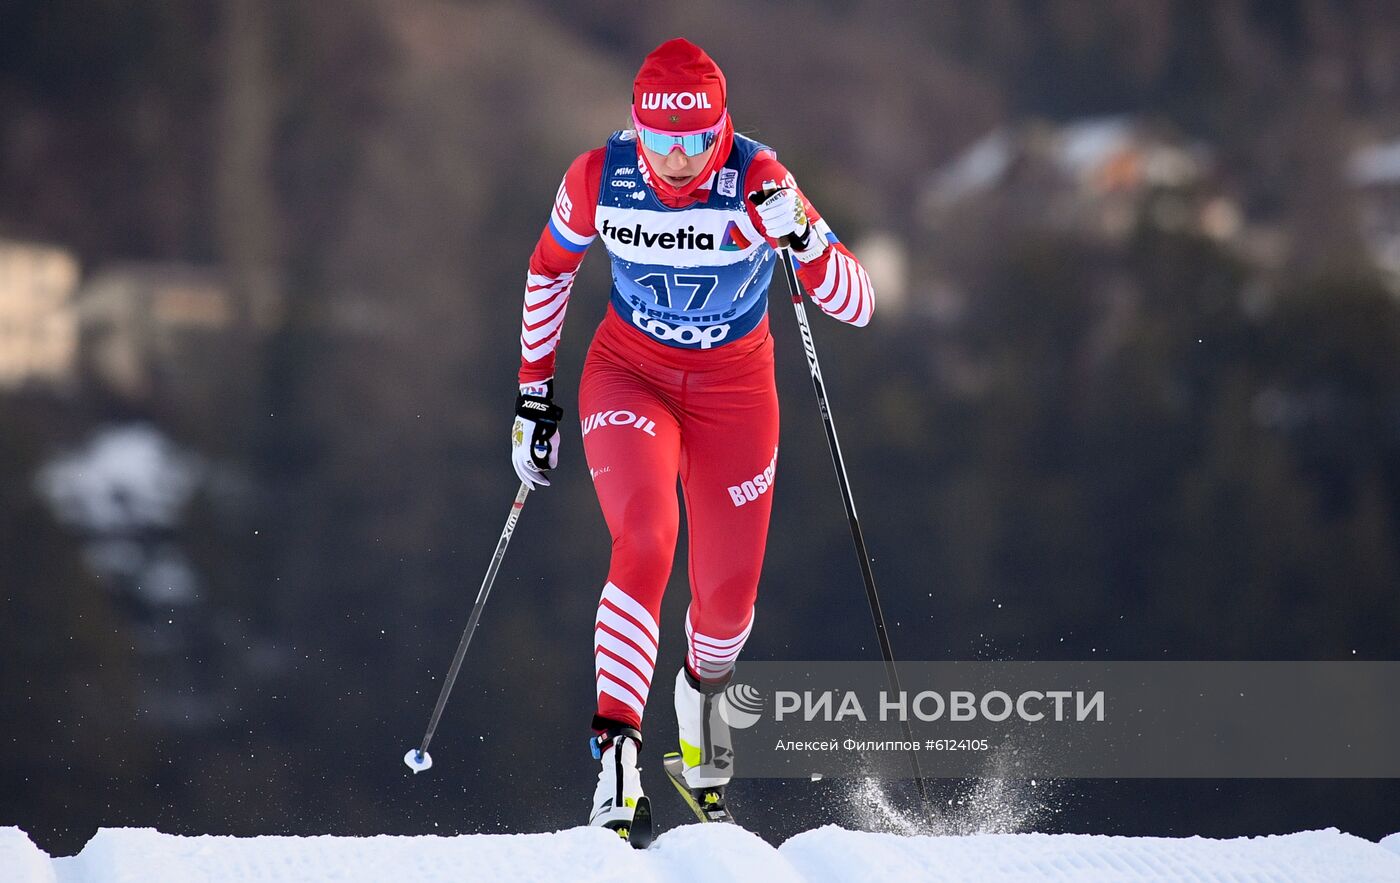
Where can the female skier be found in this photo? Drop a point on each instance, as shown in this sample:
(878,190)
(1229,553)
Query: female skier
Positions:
(678,381)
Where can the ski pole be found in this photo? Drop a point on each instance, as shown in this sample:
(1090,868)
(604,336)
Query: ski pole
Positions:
(418,758)
(814,367)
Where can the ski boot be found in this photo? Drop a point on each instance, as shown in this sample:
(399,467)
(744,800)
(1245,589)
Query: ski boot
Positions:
(618,801)
(705,763)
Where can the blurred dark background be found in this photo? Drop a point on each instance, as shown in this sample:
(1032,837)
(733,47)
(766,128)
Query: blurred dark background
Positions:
(1132,390)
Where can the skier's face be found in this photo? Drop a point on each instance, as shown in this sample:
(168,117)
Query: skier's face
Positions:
(677,168)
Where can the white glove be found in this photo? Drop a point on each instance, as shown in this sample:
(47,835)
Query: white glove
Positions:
(534,439)
(783,214)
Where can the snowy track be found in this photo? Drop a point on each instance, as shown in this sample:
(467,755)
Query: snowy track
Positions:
(703,855)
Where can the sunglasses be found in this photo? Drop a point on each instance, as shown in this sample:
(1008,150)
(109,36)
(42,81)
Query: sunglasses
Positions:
(691,143)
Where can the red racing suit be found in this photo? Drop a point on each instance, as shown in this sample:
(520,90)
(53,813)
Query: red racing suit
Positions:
(678,383)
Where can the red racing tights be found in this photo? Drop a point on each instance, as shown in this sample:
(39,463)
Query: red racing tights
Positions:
(652,413)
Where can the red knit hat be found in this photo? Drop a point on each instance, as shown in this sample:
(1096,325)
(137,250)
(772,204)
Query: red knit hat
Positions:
(679,88)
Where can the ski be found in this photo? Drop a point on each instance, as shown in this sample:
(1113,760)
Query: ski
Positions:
(639,832)
(706,803)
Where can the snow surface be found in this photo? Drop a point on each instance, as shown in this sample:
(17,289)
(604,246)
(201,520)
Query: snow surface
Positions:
(21,860)
(703,854)
(1392,843)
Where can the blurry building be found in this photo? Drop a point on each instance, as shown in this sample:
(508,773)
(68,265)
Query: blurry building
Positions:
(38,323)
(142,322)
(1089,176)
(1041,196)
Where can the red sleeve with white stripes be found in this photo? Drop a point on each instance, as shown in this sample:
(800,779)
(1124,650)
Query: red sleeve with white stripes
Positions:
(839,285)
(555,262)
(836,281)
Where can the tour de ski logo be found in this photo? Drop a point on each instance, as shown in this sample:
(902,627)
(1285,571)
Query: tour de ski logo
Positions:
(728,182)
(741,706)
